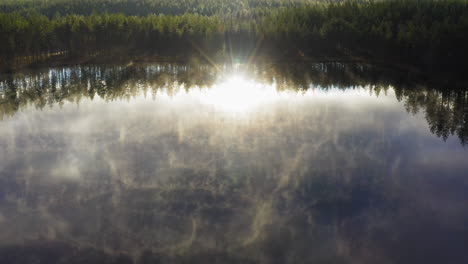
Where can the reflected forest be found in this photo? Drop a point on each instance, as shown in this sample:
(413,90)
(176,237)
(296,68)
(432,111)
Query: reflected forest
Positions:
(445,108)
(233,131)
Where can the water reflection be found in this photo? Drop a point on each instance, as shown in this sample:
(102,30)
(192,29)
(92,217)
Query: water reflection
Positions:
(153,164)
(445,108)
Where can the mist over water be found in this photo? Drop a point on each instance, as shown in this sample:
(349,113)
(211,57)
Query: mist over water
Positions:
(316,163)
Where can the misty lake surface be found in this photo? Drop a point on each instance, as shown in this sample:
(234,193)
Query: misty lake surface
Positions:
(174,163)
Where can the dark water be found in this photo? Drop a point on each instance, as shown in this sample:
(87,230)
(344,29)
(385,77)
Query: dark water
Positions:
(320,163)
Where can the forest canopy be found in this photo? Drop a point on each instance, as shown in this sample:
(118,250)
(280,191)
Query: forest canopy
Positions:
(146,7)
(431,32)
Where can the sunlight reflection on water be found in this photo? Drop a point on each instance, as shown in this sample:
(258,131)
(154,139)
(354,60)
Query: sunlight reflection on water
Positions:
(238,95)
(258,169)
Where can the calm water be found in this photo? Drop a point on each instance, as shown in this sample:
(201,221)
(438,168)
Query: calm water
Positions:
(320,163)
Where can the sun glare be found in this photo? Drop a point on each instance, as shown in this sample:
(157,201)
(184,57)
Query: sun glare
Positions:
(238,94)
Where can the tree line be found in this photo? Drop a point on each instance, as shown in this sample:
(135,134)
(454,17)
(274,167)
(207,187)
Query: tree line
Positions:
(146,7)
(428,32)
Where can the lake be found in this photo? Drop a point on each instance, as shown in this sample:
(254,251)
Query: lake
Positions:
(272,163)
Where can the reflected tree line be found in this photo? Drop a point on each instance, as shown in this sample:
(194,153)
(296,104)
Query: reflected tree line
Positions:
(445,108)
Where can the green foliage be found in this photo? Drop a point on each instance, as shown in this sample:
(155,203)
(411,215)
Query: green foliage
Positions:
(33,34)
(416,30)
(146,7)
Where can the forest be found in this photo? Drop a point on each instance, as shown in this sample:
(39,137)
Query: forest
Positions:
(430,34)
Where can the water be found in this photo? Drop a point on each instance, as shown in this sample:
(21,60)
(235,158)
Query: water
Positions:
(319,163)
